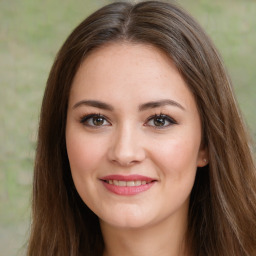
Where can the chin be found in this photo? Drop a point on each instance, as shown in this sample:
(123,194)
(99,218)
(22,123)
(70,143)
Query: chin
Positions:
(126,223)
(128,219)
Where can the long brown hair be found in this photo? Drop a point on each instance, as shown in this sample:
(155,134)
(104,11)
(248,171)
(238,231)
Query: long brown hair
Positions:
(222,213)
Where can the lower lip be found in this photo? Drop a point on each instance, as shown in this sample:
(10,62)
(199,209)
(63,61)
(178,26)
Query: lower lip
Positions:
(127,191)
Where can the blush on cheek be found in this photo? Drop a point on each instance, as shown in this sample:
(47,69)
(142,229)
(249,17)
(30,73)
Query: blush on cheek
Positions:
(186,150)
(83,154)
(178,158)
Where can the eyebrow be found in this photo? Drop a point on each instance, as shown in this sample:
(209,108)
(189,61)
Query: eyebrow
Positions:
(142,107)
(160,103)
(94,103)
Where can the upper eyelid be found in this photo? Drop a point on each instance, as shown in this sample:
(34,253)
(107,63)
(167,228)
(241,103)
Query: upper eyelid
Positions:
(166,116)
(163,116)
(86,117)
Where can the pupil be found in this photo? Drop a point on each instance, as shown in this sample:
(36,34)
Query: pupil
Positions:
(98,121)
(159,121)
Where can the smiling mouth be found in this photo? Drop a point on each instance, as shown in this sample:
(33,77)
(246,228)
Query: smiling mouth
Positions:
(127,185)
(122,183)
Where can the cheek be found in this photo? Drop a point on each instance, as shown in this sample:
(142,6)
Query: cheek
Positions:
(85,156)
(177,157)
(84,153)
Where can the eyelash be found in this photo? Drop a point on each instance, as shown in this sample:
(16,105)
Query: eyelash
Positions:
(85,120)
(164,118)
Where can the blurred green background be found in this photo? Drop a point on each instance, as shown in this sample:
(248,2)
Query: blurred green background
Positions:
(31,32)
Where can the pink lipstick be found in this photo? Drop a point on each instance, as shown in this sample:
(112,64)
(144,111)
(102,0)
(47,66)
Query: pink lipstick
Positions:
(127,185)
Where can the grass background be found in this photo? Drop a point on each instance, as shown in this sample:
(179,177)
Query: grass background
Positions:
(32,31)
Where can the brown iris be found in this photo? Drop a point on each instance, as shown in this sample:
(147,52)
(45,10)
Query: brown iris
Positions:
(159,121)
(98,121)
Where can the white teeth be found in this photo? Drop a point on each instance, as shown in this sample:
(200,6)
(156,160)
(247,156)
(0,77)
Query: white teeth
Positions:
(130,183)
(116,182)
(137,183)
(123,183)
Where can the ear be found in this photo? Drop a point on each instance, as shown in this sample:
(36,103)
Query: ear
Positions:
(203,157)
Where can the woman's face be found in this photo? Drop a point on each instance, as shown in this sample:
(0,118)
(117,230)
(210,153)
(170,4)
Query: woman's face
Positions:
(133,136)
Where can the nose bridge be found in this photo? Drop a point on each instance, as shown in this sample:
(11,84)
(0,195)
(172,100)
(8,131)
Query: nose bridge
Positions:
(126,147)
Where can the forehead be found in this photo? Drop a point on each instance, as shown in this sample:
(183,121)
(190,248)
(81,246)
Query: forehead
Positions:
(129,71)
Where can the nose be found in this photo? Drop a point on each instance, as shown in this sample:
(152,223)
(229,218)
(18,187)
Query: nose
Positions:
(126,147)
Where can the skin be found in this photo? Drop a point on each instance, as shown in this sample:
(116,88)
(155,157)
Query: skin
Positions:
(127,141)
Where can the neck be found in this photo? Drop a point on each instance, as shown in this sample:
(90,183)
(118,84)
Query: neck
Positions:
(165,239)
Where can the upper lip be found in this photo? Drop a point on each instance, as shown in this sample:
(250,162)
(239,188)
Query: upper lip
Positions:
(132,177)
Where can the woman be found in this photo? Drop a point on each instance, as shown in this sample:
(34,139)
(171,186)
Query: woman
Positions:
(141,146)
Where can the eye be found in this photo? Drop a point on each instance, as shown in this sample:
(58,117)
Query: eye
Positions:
(94,120)
(160,121)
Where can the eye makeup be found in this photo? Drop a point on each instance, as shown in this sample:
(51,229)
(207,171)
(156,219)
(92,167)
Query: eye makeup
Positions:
(94,120)
(160,121)
(156,121)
